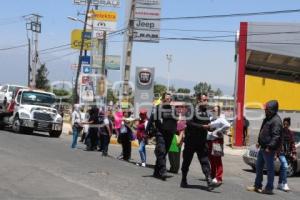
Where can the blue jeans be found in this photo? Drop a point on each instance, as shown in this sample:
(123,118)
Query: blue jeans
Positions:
(265,158)
(142,151)
(105,139)
(75,137)
(283,169)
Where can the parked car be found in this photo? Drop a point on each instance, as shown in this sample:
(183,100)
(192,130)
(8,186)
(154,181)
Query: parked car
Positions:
(8,91)
(34,110)
(250,157)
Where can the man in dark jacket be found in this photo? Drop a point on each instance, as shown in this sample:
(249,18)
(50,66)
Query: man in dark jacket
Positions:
(165,122)
(268,141)
(195,142)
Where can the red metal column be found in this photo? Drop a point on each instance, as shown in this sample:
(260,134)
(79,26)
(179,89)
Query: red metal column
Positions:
(241,84)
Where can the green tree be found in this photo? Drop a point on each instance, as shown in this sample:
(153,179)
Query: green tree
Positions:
(218,92)
(184,90)
(159,89)
(61,92)
(203,87)
(41,79)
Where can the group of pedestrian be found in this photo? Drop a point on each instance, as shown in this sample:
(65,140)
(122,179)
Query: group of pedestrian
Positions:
(275,140)
(96,126)
(202,133)
(172,131)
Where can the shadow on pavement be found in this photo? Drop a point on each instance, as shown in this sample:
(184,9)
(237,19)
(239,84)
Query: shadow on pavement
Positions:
(35,134)
(200,187)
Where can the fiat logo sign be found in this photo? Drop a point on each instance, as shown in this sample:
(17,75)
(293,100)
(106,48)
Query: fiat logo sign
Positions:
(145,78)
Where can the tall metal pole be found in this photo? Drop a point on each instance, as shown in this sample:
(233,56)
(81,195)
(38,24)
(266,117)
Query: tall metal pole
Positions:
(34,66)
(128,55)
(103,78)
(169,58)
(29,62)
(34,25)
(76,97)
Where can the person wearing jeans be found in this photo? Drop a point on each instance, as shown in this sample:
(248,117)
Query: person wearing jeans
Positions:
(76,123)
(142,151)
(269,140)
(286,151)
(141,136)
(75,137)
(282,181)
(263,158)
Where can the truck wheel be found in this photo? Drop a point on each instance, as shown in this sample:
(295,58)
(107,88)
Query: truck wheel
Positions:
(16,126)
(55,134)
(28,131)
(2,126)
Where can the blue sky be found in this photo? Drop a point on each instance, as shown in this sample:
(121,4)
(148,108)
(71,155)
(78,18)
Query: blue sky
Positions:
(192,61)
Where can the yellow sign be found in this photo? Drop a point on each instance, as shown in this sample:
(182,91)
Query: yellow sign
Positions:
(101,15)
(76,40)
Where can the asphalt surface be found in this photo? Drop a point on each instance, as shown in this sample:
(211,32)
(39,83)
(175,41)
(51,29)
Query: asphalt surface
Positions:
(34,167)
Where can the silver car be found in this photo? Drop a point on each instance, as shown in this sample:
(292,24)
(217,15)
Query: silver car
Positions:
(293,167)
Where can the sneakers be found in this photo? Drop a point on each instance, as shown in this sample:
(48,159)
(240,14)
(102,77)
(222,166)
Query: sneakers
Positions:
(283,187)
(254,189)
(215,180)
(141,164)
(266,191)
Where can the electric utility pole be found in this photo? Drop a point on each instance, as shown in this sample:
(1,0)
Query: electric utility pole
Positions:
(76,97)
(33,24)
(128,51)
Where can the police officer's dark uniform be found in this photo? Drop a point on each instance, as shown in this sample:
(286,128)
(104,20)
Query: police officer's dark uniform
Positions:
(166,125)
(195,142)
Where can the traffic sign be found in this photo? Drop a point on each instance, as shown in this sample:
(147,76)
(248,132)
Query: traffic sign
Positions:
(87,69)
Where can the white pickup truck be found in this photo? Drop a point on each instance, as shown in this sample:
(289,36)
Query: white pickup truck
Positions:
(34,110)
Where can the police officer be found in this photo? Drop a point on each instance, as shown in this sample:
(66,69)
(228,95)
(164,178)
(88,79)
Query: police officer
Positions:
(195,142)
(165,123)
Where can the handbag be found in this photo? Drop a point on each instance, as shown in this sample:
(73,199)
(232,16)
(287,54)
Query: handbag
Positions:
(217,149)
(78,127)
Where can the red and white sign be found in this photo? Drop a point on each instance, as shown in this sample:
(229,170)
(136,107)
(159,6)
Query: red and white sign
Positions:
(147,13)
(98,34)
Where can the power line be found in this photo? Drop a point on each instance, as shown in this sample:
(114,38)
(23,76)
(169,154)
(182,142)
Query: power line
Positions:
(60,57)
(197,30)
(14,47)
(54,51)
(55,47)
(229,15)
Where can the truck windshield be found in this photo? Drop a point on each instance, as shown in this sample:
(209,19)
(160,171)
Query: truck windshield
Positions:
(36,98)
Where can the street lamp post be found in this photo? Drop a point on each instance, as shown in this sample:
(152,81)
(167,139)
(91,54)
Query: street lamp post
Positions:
(169,58)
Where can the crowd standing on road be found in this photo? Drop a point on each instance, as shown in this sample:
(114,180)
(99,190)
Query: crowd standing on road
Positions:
(202,134)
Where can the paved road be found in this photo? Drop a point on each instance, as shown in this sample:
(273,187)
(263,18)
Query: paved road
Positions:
(34,167)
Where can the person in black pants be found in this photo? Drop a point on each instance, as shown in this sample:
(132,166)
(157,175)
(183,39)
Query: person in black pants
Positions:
(165,122)
(195,142)
(92,137)
(104,133)
(126,138)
